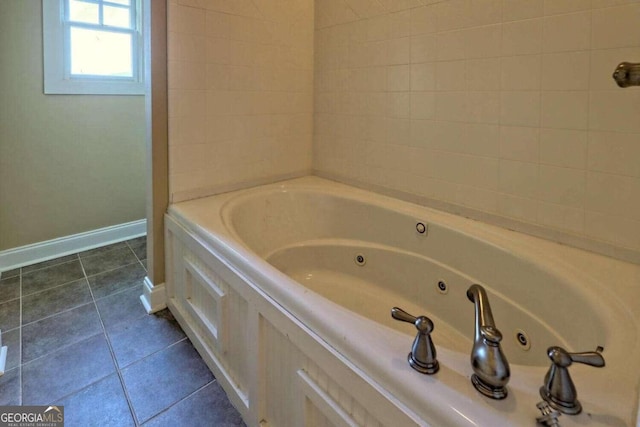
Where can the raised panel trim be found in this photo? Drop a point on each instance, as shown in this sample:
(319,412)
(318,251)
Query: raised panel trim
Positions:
(324,402)
(217,331)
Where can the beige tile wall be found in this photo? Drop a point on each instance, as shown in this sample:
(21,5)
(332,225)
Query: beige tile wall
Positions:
(240,92)
(503,106)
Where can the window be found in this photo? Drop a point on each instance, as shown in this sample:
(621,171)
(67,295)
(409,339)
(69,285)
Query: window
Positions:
(92,47)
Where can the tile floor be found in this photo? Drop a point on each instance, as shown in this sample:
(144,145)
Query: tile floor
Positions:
(78,336)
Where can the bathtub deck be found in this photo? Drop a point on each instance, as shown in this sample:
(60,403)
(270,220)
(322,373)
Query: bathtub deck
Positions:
(78,336)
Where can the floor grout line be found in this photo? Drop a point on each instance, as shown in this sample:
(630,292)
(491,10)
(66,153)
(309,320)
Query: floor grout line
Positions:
(118,292)
(84,388)
(85,276)
(137,257)
(182,400)
(113,269)
(58,313)
(6,331)
(70,308)
(153,354)
(76,306)
(59,349)
(104,251)
(47,266)
(10,300)
(56,286)
(114,360)
(93,300)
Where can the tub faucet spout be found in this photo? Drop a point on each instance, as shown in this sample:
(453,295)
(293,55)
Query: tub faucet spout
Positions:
(490,366)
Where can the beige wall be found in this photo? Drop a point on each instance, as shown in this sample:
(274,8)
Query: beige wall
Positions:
(505,107)
(68,164)
(240,93)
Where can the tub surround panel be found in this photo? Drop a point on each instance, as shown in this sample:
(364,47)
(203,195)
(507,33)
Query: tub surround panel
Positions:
(240,94)
(502,108)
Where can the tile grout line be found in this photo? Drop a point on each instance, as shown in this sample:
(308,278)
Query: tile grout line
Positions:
(111,351)
(59,349)
(114,247)
(137,257)
(11,300)
(20,343)
(182,400)
(111,269)
(59,312)
(118,370)
(76,306)
(84,276)
(155,352)
(47,266)
(56,286)
(85,387)
(69,345)
(92,301)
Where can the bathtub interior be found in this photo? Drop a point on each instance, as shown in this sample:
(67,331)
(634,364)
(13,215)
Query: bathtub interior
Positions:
(314,237)
(391,278)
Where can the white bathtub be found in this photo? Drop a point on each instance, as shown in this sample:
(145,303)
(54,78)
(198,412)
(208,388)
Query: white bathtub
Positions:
(295,243)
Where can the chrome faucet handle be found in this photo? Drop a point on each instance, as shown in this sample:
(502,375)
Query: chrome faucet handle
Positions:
(558,389)
(491,371)
(422,357)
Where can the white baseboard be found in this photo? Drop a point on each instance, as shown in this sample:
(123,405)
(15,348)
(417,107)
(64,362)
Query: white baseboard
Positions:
(50,249)
(153,296)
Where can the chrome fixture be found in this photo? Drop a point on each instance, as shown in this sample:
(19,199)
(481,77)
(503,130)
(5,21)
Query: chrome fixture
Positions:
(558,388)
(549,416)
(421,228)
(490,366)
(443,288)
(627,74)
(422,357)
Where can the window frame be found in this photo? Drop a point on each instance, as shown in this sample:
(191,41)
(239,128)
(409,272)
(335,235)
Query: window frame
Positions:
(57,56)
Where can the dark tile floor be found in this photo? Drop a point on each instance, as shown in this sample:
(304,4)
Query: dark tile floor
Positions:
(78,336)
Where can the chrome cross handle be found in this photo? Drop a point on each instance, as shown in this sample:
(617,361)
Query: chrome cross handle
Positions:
(422,357)
(558,389)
